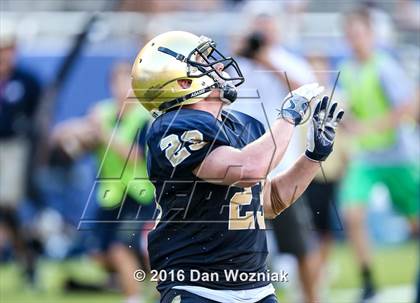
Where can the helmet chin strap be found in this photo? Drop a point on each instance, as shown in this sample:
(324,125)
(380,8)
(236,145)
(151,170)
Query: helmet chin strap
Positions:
(228,93)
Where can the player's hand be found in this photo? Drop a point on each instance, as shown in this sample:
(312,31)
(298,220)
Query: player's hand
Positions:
(297,102)
(321,132)
(96,121)
(74,137)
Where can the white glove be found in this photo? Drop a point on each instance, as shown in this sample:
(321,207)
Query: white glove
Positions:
(297,102)
(321,132)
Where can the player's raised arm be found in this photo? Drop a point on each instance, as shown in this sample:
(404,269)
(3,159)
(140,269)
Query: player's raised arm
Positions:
(285,188)
(251,164)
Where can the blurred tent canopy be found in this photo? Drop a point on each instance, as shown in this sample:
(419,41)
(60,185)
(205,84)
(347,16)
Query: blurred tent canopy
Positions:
(318,32)
(313,27)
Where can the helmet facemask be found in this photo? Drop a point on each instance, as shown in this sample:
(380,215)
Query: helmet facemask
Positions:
(204,61)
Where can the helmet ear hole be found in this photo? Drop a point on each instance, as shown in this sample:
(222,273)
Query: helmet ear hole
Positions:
(184,83)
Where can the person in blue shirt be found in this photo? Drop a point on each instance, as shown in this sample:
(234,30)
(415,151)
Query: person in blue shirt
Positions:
(20,92)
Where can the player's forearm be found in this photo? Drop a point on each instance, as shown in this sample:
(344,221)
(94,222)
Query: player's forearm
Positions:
(248,166)
(264,154)
(287,187)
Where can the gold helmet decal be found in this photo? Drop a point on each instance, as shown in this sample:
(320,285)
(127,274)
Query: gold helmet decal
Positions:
(174,56)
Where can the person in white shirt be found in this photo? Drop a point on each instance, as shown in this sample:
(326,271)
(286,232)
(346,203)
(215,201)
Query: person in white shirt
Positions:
(271,71)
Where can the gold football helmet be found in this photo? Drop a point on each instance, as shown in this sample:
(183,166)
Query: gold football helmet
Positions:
(179,55)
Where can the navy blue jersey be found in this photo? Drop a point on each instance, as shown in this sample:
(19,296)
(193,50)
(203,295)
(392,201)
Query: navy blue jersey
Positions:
(201,225)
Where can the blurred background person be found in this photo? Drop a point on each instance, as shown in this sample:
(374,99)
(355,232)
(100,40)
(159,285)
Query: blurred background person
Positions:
(380,100)
(407,14)
(271,72)
(321,194)
(115,131)
(289,14)
(169,6)
(20,92)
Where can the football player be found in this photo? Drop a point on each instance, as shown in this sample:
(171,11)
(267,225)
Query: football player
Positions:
(209,167)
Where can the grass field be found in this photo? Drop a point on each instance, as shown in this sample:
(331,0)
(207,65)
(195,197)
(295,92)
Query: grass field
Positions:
(395,270)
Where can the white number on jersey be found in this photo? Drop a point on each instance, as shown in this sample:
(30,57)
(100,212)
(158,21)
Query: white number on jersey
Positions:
(175,149)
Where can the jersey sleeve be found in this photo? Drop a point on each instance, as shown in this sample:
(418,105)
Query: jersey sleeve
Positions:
(183,144)
(256,126)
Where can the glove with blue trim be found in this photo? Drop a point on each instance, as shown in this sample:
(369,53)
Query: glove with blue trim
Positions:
(297,102)
(321,132)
